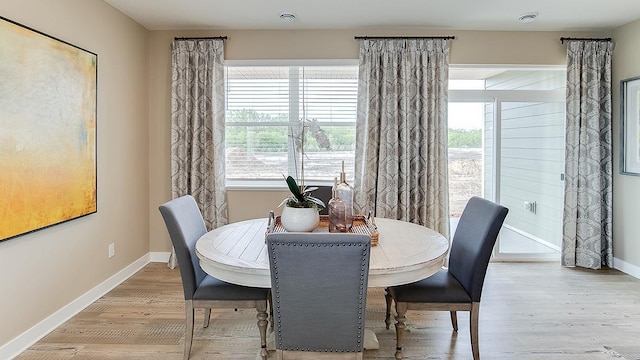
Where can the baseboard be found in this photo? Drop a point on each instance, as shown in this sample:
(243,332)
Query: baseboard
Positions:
(626,268)
(159,256)
(16,346)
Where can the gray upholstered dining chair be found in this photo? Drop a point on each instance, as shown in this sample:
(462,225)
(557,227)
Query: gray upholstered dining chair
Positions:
(319,290)
(185,225)
(459,287)
(324,193)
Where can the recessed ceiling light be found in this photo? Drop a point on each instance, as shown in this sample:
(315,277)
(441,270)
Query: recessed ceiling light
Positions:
(287,17)
(527,17)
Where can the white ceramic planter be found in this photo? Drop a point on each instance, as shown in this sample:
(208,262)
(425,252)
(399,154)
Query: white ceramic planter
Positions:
(299,219)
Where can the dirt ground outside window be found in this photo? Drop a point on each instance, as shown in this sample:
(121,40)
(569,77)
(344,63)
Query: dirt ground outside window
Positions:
(465,177)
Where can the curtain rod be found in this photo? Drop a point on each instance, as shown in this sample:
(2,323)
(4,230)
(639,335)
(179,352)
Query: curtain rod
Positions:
(202,38)
(563,39)
(403,37)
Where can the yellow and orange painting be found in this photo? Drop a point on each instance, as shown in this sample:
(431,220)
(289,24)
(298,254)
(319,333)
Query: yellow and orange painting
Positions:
(47,131)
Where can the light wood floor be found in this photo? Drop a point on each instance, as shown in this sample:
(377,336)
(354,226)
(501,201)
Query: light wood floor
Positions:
(528,311)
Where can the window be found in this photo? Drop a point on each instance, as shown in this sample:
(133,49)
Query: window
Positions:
(267,106)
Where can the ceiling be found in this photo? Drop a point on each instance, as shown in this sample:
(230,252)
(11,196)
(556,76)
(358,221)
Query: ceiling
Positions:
(499,15)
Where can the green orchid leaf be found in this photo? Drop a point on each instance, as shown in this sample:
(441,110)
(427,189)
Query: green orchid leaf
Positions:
(316,201)
(301,197)
(286,200)
(295,190)
(310,189)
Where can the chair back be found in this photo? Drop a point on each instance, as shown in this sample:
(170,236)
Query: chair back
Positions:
(473,243)
(319,290)
(185,225)
(324,193)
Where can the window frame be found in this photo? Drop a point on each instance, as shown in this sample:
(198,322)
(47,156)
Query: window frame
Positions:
(273,184)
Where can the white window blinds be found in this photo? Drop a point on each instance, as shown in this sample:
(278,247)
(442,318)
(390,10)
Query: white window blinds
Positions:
(266,106)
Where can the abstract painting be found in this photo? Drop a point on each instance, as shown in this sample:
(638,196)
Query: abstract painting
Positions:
(47,130)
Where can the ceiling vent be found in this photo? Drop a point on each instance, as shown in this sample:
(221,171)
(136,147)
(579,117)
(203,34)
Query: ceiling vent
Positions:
(528,17)
(287,17)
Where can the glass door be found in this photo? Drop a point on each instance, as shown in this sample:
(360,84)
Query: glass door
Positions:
(506,144)
(467,155)
(530,183)
(518,163)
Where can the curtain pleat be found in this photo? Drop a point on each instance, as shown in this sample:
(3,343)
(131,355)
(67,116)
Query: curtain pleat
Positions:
(401,132)
(197,126)
(587,222)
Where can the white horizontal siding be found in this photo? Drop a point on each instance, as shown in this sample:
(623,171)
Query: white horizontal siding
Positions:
(527,80)
(545,224)
(532,162)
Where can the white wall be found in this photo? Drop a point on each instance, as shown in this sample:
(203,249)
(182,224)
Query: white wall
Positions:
(43,271)
(626,189)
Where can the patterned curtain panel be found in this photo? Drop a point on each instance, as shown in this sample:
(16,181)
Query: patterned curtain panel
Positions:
(587,239)
(197,126)
(401,134)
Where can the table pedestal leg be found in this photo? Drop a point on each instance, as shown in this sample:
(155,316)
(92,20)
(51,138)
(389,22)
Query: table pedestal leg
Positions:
(371,340)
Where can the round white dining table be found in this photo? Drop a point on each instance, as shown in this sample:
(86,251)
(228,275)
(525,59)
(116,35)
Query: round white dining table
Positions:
(405,253)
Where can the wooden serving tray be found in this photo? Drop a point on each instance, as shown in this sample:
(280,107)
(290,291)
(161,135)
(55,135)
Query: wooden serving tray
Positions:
(361,225)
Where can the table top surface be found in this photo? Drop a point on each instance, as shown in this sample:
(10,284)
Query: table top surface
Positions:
(405,253)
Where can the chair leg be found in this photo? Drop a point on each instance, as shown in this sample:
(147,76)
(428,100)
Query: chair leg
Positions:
(207,317)
(473,324)
(188,337)
(401,310)
(454,320)
(261,307)
(387,297)
(270,303)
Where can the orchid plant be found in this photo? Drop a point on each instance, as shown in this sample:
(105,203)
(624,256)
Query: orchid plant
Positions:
(300,195)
